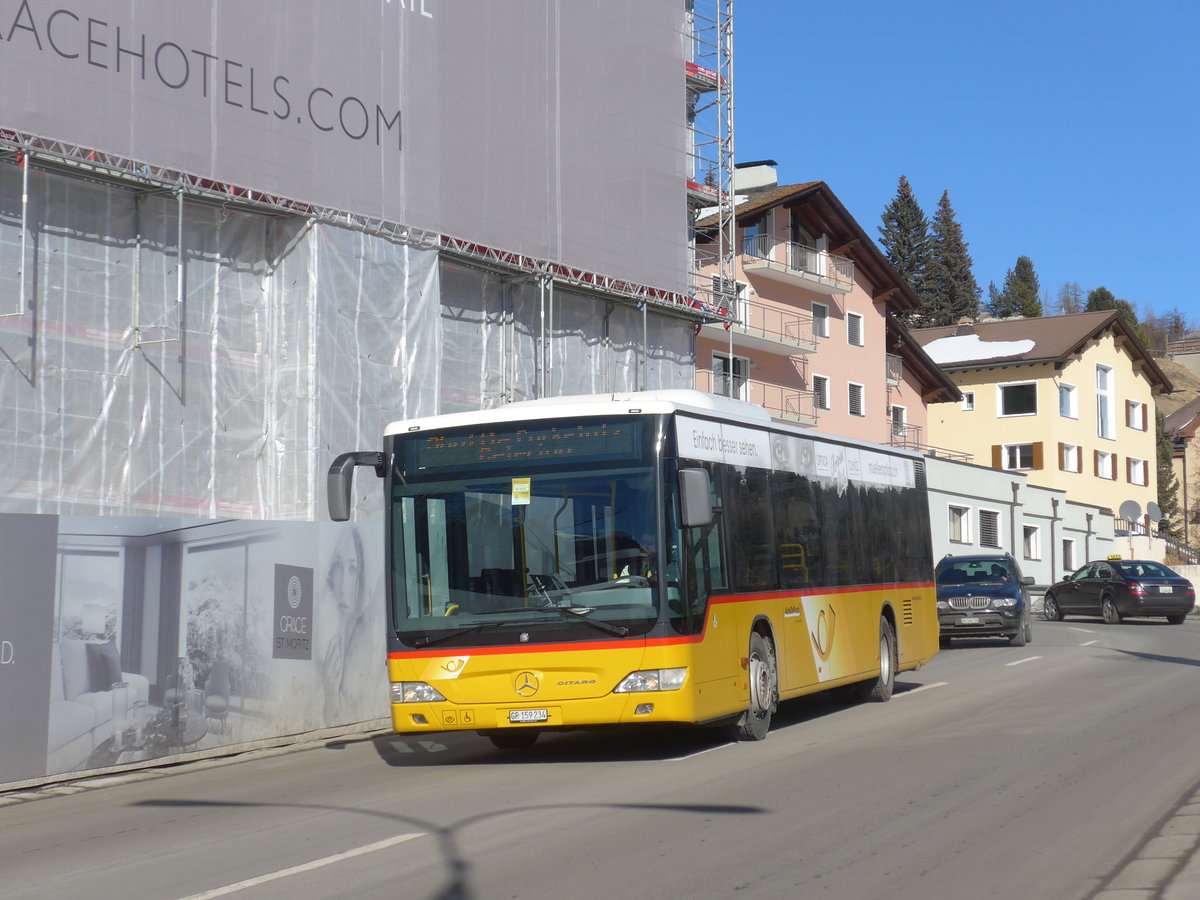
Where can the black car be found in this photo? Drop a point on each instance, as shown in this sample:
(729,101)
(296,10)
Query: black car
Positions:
(983,596)
(1116,588)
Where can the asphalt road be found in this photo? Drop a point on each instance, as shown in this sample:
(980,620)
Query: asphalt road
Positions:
(995,771)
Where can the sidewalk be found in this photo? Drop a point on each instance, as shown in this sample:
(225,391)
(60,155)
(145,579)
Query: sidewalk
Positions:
(1167,865)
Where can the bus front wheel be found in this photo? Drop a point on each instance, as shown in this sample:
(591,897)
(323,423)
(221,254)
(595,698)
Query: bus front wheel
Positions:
(755,722)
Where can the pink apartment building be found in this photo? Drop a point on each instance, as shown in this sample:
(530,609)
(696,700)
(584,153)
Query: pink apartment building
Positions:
(813,336)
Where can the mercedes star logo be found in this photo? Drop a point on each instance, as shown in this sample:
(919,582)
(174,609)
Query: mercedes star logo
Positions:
(526,684)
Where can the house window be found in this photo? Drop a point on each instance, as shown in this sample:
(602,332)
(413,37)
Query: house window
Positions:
(756,238)
(730,295)
(820,389)
(1068,401)
(820,317)
(854,329)
(968,401)
(1018,399)
(729,375)
(960,525)
(1068,548)
(1032,543)
(1106,465)
(1135,415)
(1017,457)
(1136,471)
(899,421)
(1070,457)
(1105,404)
(855,396)
(989,528)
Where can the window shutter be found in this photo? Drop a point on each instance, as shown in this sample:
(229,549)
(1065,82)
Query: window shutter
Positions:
(1078,459)
(1096,463)
(1038,461)
(1062,456)
(1129,469)
(1128,413)
(1145,417)
(997,456)
(1115,468)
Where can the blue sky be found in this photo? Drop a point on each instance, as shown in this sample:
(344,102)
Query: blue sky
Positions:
(1068,132)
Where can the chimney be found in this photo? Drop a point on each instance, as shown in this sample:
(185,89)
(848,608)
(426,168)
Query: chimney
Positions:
(966,325)
(759,175)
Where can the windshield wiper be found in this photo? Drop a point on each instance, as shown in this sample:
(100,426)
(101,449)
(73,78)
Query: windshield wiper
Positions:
(576,613)
(437,639)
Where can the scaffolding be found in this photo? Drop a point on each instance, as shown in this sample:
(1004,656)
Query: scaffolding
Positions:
(709,63)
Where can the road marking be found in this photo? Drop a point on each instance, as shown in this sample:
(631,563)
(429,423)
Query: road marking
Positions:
(1089,643)
(304,867)
(700,752)
(1018,662)
(917,690)
(1084,630)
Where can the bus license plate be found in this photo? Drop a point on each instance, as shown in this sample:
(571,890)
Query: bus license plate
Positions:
(528,715)
(969,620)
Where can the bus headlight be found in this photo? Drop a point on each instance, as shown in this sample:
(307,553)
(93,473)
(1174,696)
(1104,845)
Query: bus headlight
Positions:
(652,680)
(414,692)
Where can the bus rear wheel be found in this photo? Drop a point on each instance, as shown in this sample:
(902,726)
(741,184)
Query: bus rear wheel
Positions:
(880,690)
(755,722)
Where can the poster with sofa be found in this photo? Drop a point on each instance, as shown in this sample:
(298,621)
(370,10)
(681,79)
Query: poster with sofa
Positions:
(140,639)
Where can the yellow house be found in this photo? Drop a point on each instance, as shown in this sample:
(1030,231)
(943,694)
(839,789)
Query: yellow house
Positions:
(1068,400)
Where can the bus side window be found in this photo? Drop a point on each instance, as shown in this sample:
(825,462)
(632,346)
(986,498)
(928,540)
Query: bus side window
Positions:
(796,530)
(750,529)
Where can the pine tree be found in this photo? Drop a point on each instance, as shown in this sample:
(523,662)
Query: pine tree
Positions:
(904,236)
(953,291)
(1102,298)
(1168,484)
(1020,294)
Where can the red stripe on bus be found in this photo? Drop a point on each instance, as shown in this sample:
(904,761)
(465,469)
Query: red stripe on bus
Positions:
(620,643)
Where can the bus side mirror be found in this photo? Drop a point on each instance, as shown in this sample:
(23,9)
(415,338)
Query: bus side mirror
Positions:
(341,478)
(695,498)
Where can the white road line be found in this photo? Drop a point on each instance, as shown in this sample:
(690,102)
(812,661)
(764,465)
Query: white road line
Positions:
(700,752)
(917,690)
(1084,630)
(304,867)
(1089,643)
(1018,662)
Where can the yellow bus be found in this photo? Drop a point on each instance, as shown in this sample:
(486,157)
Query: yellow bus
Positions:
(642,558)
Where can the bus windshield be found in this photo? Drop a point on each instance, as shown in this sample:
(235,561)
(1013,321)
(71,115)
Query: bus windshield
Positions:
(560,555)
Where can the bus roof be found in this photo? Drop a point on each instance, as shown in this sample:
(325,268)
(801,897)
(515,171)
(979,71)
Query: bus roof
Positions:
(649,402)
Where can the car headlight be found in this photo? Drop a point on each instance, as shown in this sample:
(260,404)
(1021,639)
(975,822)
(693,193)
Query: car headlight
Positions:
(1004,602)
(652,680)
(942,604)
(415,692)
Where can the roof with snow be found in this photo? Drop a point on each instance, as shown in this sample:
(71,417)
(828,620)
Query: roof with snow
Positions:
(1046,339)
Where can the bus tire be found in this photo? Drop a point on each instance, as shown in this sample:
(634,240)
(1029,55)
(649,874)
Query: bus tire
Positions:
(755,722)
(516,739)
(880,690)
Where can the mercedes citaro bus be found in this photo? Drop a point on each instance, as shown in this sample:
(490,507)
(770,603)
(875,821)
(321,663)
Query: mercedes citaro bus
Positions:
(658,557)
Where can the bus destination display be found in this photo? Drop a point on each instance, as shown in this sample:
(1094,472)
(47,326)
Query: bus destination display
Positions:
(547,443)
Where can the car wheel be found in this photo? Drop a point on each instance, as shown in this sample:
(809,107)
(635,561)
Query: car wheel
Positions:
(517,739)
(1051,610)
(755,722)
(1177,619)
(1028,629)
(1108,609)
(1019,637)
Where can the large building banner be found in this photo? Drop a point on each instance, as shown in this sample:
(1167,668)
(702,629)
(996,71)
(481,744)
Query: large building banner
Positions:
(544,127)
(127,640)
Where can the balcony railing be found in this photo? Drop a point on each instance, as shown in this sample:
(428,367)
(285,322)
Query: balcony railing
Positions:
(912,437)
(780,401)
(797,263)
(764,327)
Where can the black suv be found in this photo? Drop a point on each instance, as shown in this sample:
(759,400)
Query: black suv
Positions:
(983,596)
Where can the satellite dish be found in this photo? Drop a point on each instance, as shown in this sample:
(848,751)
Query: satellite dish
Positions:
(1130,511)
(1154,512)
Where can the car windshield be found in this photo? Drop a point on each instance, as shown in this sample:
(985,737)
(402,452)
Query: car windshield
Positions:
(569,552)
(1142,569)
(972,571)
